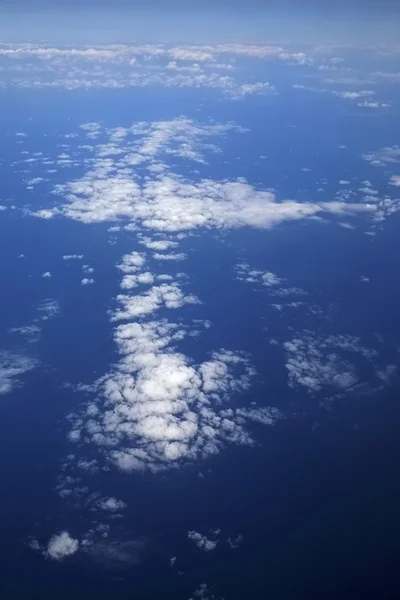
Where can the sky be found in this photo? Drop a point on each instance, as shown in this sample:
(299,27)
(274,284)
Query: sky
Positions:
(90,21)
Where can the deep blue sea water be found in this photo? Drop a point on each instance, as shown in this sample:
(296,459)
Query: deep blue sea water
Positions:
(317,499)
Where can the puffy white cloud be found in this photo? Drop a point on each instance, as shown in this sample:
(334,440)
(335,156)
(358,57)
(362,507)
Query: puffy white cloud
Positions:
(202,541)
(172,204)
(168,295)
(111,504)
(72,256)
(131,263)
(395,180)
(87,281)
(46,275)
(110,191)
(159,245)
(61,546)
(157,410)
(266,278)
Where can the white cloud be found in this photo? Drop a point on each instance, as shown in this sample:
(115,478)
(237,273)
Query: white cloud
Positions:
(87,281)
(47,274)
(355,95)
(131,263)
(319,364)
(61,546)
(159,245)
(202,541)
(109,190)
(48,308)
(266,278)
(389,155)
(203,592)
(12,367)
(111,505)
(72,256)
(157,410)
(168,295)
(171,256)
(395,180)
(367,104)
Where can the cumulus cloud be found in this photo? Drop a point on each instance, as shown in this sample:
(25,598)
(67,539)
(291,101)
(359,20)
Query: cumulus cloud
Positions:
(168,295)
(110,191)
(395,180)
(202,541)
(389,155)
(61,546)
(12,367)
(203,592)
(159,245)
(72,256)
(324,363)
(111,505)
(127,65)
(47,275)
(157,410)
(266,278)
(87,281)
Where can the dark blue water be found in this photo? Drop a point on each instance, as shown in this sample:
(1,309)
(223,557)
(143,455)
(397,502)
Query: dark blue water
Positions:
(317,500)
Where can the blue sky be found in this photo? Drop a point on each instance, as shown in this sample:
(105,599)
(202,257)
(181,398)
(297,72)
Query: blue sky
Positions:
(92,21)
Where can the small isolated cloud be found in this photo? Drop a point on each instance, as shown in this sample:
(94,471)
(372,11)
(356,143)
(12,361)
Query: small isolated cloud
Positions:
(159,245)
(87,281)
(235,542)
(202,541)
(72,256)
(395,180)
(266,278)
(111,505)
(364,279)
(367,104)
(47,274)
(61,546)
(203,592)
(176,257)
(12,367)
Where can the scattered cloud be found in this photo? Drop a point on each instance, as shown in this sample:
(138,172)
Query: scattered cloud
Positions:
(318,364)
(389,155)
(47,274)
(395,180)
(87,281)
(61,546)
(202,541)
(12,367)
